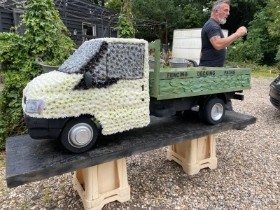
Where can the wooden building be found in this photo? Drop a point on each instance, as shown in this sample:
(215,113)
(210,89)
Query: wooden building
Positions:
(83,19)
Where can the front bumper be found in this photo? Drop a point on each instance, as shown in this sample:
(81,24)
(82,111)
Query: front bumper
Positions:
(39,128)
(274,94)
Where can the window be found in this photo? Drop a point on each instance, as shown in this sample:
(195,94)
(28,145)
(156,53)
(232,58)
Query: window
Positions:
(17,18)
(89,31)
(113,32)
(125,61)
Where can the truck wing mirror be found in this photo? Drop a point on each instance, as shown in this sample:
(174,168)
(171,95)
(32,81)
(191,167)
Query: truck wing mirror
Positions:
(88,79)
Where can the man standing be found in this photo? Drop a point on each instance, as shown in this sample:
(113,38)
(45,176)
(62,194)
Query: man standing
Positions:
(213,51)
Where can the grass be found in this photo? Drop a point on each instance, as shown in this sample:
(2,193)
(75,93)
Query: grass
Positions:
(264,71)
(257,70)
(263,74)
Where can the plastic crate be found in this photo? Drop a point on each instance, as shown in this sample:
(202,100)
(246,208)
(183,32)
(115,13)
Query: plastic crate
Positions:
(102,184)
(194,155)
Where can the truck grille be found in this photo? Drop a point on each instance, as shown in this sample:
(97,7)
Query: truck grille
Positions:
(274,101)
(276,80)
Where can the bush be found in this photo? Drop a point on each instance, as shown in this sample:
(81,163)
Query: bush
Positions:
(256,70)
(245,51)
(125,22)
(263,40)
(46,37)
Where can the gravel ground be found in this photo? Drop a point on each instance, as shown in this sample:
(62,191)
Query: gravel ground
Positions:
(247,177)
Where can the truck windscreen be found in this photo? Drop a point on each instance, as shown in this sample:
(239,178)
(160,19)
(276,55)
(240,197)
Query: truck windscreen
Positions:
(86,52)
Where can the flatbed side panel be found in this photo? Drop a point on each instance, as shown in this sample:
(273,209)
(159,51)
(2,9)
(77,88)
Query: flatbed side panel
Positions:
(184,95)
(178,83)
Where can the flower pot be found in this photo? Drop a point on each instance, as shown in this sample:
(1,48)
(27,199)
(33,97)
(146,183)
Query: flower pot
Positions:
(46,68)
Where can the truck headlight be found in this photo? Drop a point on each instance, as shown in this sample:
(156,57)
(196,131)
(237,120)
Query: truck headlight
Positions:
(34,106)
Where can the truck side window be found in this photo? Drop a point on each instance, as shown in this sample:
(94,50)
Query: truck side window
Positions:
(103,64)
(125,61)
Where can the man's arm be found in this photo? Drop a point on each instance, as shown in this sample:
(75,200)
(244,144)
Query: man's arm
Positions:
(220,43)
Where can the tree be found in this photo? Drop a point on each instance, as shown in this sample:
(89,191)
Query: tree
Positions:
(159,18)
(125,23)
(114,5)
(274,25)
(156,18)
(263,39)
(45,32)
(194,15)
(242,13)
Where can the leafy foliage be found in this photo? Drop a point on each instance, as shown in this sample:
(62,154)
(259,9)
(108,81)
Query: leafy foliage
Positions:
(15,66)
(263,40)
(45,32)
(274,26)
(125,24)
(114,5)
(45,37)
(242,13)
(159,18)
(194,15)
(156,18)
(125,27)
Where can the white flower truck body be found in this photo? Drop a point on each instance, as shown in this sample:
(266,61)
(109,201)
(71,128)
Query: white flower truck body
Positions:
(106,84)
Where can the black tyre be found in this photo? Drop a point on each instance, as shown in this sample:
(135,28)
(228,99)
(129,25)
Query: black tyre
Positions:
(213,111)
(193,63)
(79,135)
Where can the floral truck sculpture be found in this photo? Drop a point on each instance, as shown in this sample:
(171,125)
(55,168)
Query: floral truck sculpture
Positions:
(107,84)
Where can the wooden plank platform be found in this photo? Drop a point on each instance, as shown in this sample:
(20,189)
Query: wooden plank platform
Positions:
(29,160)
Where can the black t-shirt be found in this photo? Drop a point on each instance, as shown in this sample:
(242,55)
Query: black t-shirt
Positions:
(209,55)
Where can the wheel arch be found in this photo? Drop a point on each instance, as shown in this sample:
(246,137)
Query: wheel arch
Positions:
(222,96)
(213,110)
(79,134)
(203,99)
(83,115)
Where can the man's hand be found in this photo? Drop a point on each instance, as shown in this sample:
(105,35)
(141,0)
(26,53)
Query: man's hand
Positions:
(241,31)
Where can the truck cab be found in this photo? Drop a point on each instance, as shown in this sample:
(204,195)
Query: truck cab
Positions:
(104,84)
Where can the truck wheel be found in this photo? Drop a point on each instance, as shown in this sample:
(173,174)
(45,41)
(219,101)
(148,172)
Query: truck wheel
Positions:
(79,135)
(213,111)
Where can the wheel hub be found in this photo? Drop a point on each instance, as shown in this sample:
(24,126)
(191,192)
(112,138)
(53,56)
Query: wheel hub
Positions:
(80,135)
(217,111)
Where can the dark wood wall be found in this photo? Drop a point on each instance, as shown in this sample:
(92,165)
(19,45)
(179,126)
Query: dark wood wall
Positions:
(75,14)
(6,20)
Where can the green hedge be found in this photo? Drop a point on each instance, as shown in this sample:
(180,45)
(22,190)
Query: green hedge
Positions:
(46,37)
